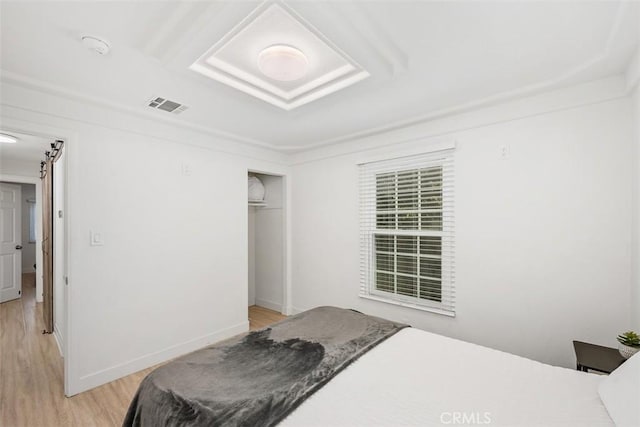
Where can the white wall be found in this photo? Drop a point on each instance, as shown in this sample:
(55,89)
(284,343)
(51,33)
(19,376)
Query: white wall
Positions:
(171,276)
(635,275)
(172,273)
(252,255)
(28,248)
(172,270)
(59,242)
(542,237)
(19,167)
(269,245)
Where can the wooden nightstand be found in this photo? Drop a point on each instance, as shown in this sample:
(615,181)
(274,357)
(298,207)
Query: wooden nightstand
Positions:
(596,357)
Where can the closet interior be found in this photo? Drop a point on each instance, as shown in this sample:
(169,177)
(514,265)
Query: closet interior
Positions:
(266,241)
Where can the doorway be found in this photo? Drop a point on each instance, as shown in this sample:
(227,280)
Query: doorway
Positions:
(17,238)
(10,241)
(266,247)
(21,166)
(52,175)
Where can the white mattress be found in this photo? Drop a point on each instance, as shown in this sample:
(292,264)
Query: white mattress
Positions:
(416,378)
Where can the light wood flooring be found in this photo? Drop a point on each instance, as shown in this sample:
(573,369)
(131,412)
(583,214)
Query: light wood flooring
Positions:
(260,317)
(31,382)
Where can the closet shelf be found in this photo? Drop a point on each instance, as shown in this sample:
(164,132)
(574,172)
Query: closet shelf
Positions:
(258,203)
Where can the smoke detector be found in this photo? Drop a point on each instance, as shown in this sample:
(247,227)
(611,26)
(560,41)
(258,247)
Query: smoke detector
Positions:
(166,105)
(96,44)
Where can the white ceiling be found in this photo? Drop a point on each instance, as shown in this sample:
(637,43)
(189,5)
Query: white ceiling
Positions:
(423,56)
(29,148)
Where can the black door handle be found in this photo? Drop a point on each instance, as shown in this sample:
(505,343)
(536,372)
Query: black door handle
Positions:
(18,247)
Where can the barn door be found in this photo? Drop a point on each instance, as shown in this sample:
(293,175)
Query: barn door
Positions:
(46,174)
(47,244)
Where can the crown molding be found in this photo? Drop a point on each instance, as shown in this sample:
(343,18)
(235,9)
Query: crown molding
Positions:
(526,91)
(563,99)
(56,90)
(254,32)
(396,61)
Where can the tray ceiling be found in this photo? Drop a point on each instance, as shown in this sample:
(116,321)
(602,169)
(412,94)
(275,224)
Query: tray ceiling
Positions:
(423,59)
(234,59)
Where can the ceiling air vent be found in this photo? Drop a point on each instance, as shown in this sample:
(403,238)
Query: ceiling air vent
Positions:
(167,105)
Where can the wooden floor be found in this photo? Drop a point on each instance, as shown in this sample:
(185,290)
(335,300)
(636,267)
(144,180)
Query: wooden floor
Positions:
(31,382)
(260,317)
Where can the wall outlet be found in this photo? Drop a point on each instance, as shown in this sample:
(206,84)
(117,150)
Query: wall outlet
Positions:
(505,151)
(186,169)
(95,238)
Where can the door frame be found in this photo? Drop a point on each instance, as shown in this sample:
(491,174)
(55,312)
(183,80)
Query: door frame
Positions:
(286,230)
(69,137)
(20,179)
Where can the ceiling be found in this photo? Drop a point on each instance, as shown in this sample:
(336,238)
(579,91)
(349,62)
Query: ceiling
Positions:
(233,60)
(29,148)
(423,57)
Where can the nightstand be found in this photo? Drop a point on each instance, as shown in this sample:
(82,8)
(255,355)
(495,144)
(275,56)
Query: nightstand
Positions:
(596,357)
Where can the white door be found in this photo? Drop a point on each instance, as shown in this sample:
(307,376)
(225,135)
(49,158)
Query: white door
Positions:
(10,242)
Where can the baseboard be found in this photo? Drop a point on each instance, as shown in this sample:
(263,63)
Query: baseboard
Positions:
(59,340)
(104,376)
(269,304)
(296,310)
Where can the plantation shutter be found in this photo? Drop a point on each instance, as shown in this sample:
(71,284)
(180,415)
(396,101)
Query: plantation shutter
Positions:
(407,231)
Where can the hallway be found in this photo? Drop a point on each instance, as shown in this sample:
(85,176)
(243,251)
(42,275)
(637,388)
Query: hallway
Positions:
(31,386)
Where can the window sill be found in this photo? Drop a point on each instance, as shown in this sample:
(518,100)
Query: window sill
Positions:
(410,305)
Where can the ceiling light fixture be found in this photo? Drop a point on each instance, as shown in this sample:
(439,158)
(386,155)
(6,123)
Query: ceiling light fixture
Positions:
(283,63)
(8,139)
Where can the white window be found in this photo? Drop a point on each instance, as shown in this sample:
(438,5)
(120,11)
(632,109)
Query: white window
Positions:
(406,220)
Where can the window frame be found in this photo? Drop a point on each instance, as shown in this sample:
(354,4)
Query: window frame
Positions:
(369,173)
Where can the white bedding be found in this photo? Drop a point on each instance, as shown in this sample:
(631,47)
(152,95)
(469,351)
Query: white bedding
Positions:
(416,378)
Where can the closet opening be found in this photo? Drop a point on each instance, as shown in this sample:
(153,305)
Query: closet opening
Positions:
(266,247)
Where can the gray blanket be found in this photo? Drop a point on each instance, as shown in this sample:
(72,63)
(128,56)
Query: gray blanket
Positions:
(258,378)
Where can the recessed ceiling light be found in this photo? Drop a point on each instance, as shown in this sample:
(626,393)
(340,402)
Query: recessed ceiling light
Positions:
(96,44)
(283,63)
(8,139)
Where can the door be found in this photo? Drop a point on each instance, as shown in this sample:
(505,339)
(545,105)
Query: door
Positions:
(10,242)
(46,175)
(47,245)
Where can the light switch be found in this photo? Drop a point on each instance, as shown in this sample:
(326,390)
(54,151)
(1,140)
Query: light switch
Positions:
(96,239)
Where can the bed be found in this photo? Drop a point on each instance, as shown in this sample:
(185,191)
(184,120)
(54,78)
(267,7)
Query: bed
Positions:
(336,367)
